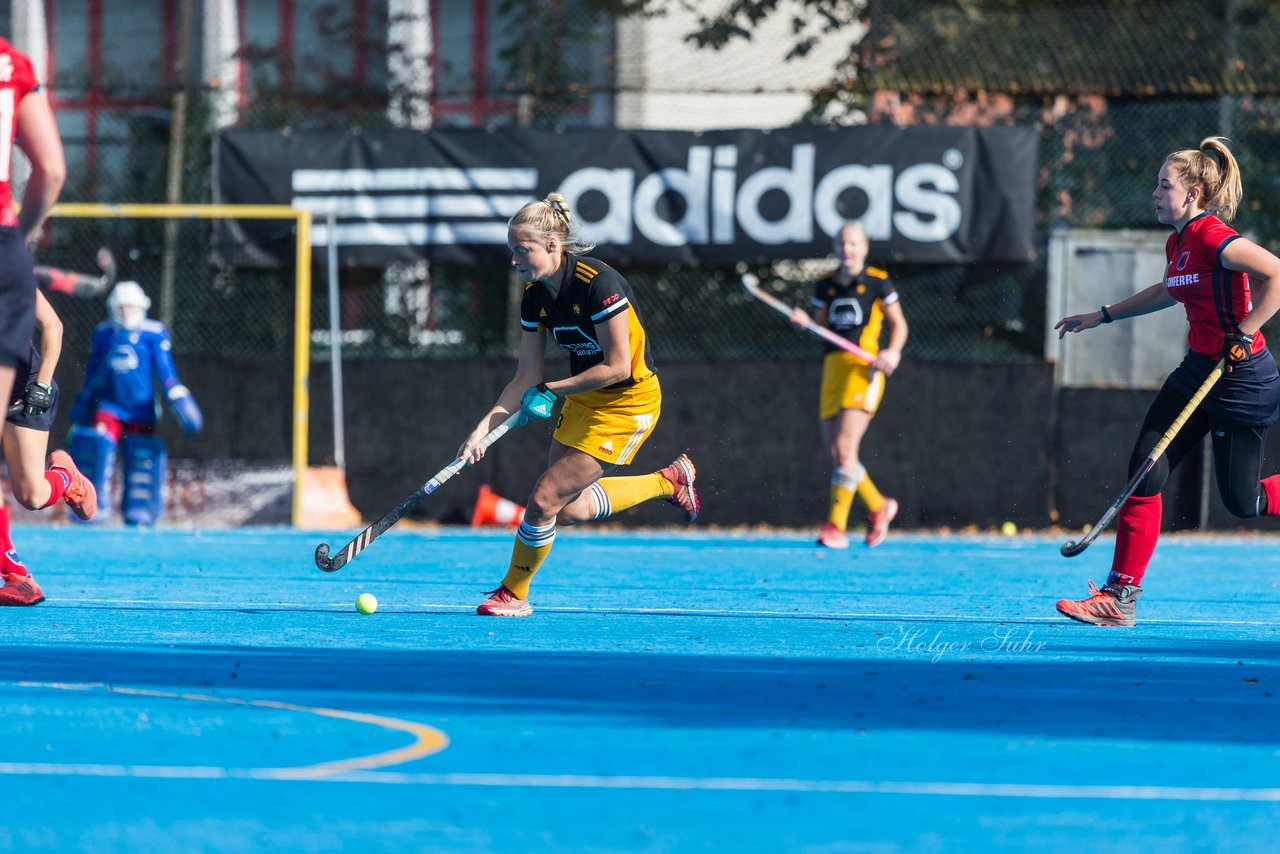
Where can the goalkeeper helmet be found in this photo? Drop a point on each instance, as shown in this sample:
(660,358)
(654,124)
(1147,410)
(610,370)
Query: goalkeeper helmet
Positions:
(128,305)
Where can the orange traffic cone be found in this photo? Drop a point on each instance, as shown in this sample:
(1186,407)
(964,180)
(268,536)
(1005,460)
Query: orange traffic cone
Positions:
(493,509)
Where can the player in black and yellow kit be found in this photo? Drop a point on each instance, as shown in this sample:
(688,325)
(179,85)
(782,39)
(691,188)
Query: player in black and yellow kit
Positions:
(856,301)
(611,397)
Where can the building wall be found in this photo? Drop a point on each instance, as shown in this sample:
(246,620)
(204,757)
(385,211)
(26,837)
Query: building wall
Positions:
(666,83)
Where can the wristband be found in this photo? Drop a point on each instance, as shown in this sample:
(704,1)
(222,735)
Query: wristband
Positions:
(1106,315)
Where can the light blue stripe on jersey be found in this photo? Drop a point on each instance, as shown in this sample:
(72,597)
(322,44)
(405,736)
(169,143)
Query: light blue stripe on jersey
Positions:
(612,310)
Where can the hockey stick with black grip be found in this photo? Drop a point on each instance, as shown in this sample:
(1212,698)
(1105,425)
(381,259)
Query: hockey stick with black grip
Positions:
(80,285)
(371,533)
(752,283)
(1071,548)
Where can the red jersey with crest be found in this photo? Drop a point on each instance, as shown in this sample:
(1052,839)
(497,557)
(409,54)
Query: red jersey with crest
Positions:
(17,80)
(1216,299)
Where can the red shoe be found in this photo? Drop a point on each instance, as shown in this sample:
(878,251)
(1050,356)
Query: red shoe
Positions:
(80,496)
(832,537)
(681,473)
(20,590)
(878,522)
(503,603)
(1113,605)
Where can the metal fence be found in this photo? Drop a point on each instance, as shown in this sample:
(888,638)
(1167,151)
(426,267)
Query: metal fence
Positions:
(1098,161)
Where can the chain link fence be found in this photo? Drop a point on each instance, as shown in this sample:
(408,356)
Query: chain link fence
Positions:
(1098,161)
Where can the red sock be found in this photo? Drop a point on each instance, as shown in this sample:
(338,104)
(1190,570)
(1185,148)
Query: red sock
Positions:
(1137,530)
(1271,489)
(59,479)
(10,563)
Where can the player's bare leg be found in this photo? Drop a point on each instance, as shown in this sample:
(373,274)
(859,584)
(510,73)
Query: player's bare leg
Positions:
(19,587)
(570,472)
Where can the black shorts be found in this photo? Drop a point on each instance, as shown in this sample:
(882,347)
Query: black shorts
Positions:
(1246,396)
(17,298)
(25,373)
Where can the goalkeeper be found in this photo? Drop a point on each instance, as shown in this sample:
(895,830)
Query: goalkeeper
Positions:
(117,410)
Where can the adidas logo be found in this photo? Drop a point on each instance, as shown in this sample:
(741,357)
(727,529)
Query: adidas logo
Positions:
(606,447)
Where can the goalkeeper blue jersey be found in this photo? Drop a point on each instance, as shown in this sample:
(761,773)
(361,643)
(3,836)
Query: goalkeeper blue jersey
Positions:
(125,365)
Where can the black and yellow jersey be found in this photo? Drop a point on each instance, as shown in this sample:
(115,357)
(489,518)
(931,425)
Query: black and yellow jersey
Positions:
(856,310)
(590,292)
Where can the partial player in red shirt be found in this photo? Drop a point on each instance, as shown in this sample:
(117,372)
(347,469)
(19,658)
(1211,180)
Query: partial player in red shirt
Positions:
(1229,287)
(27,121)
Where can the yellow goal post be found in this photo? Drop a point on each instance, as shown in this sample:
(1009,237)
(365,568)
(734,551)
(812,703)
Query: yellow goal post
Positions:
(302,297)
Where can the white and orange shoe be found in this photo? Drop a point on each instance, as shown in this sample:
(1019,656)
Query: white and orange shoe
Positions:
(81,496)
(20,589)
(832,537)
(681,473)
(503,603)
(878,522)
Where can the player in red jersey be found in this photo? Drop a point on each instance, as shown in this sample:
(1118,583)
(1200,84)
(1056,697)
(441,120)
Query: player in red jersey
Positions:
(27,121)
(1229,287)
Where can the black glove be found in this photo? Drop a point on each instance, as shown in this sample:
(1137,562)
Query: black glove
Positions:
(1236,347)
(35,400)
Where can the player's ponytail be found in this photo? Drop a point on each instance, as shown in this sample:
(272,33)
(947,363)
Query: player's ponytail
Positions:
(1223,197)
(553,217)
(1213,168)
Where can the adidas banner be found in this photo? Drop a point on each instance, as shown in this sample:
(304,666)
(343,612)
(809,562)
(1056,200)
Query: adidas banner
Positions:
(925,194)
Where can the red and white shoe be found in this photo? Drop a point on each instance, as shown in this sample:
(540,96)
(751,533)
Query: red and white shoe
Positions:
(832,537)
(878,522)
(681,473)
(80,496)
(503,603)
(20,590)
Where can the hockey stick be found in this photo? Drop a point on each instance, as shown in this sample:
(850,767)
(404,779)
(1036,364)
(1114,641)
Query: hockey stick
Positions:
(1071,548)
(752,283)
(371,533)
(79,285)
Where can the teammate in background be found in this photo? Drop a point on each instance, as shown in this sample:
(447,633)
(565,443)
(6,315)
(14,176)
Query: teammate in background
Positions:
(27,121)
(30,418)
(854,302)
(611,398)
(1228,287)
(117,407)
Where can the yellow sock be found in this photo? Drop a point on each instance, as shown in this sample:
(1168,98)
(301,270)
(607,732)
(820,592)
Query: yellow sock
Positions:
(841,503)
(615,494)
(843,483)
(869,494)
(531,548)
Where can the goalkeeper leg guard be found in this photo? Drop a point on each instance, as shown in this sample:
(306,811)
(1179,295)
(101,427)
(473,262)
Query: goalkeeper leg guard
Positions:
(145,459)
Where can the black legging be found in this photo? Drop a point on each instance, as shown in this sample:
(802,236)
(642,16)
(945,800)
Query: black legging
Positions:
(1237,454)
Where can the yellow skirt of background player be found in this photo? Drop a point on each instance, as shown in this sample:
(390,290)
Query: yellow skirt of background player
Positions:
(848,384)
(611,424)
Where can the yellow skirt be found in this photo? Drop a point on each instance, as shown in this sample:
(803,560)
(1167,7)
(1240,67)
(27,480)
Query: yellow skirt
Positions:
(848,384)
(611,425)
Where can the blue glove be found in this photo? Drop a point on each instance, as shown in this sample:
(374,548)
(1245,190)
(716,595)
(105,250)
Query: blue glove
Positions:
(185,408)
(537,403)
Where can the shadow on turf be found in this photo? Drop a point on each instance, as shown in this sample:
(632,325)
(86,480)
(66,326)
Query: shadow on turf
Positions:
(1171,700)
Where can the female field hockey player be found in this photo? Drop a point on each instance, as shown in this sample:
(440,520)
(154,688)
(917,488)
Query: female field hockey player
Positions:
(1228,287)
(611,397)
(30,124)
(29,419)
(854,302)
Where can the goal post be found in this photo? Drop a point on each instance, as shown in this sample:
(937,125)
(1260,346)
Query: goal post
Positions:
(300,221)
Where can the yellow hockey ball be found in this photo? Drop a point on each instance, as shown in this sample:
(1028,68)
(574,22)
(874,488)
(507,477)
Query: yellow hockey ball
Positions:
(366,603)
(1008,529)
